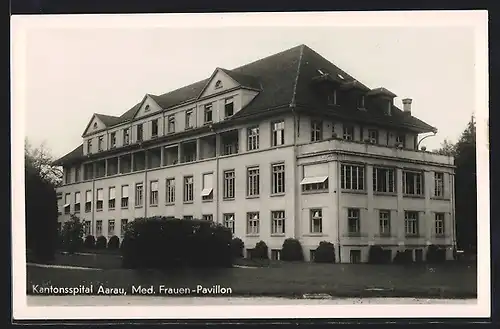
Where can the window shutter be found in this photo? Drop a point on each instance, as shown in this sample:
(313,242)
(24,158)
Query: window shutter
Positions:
(316,170)
(154,186)
(124,191)
(207,181)
(111,193)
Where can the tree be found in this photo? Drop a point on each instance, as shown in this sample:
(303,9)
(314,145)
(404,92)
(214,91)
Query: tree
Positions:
(447,148)
(72,234)
(41,211)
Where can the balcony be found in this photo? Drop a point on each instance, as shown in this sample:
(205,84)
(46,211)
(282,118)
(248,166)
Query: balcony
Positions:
(207,147)
(188,151)
(100,169)
(154,158)
(112,167)
(125,164)
(324,148)
(171,155)
(229,142)
(139,161)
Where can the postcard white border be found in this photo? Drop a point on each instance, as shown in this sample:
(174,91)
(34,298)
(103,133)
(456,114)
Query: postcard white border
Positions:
(21,25)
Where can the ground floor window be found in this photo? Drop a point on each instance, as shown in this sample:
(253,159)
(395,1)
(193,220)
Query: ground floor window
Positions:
(419,255)
(312,254)
(355,256)
(275,254)
(87,227)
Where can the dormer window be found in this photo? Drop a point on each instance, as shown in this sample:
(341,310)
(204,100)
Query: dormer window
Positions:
(389,107)
(400,140)
(332,98)
(95,125)
(89,146)
(146,109)
(361,102)
(228,107)
(100,143)
(218,84)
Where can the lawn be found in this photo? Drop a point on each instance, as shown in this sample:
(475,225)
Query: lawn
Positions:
(448,280)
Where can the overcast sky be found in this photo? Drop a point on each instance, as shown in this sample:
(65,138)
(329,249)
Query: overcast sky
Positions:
(74,72)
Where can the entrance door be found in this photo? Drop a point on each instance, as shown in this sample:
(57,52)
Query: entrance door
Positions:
(419,255)
(355,256)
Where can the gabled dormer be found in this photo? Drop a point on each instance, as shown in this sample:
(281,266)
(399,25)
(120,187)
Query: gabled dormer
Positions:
(356,92)
(147,107)
(94,126)
(383,98)
(218,82)
(328,86)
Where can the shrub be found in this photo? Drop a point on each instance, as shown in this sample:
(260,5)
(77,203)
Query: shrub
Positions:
(260,251)
(292,250)
(89,242)
(72,234)
(114,242)
(237,247)
(101,242)
(403,257)
(435,254)
(183,243)
(325,253)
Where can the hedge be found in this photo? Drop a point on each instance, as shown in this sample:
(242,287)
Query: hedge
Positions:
(114,242)
(89,242)
(435,254)
(237,247)
(101,242)
(260,251)
(378,255)
(292,250)
(161,242)
(403,257)
(325,253)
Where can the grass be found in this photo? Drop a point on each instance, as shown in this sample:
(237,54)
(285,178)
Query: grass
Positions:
(269,278)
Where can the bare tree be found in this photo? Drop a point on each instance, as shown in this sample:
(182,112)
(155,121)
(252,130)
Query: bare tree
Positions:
(39,161)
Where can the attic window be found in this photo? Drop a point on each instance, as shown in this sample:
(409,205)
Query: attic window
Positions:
(218,84)
(95,125)
(146,109)
(361,102)
(332,97)
(389,107)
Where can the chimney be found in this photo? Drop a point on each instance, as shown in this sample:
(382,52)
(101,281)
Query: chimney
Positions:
(407,105)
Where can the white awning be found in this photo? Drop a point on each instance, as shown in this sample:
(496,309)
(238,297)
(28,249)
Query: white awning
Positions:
(66,205)
(206,192)
(313,180)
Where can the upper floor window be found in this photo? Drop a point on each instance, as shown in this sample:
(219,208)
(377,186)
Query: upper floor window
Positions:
(208,113)
(228,107)
(228,221)
(383,180)
(153,193)
(352,177)
(154,128)
(439,184)
(316,130)
(348,132)
(439,224)
(112,139)
(373,136)
(88,200)
(170,190)
(278,222)
(171,124)
(77,174)
(253,138)
(207,188)
(189,119)
(253,181)
(146,108)
(100,199)
(139,132)
(138,194)
(278,128)
(67,204)
(253,223)
(112,198)
(361,102)
(278,178)
(229,182)
(100,142)
(332,97)
(188,189)
(126,136)
(400,140)
(353,221)
(316,221)
(389,107)
(413,183)
(89,146)
(218,84)
(95,125)
(411,223)
(384,222)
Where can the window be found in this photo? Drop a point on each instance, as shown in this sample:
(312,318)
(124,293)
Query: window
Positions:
(316,221)
(400,140)
(384,222)
(154,128)
(207,191)
(138,194)
(229,177)
(412,183)
(146,108)
(171,124)
(253,223)
(315,178)
(352,177)
(112,140)
(88,201)
(188,189)
(98,227)
(253,138)
(278,128)
(67,203)
(348,133)
(100,142)
(411,223)
(67,175)
(89,146)
(439,184)
(124,201)
(95,125)
(112,197)
(316,131)
(77,174)
(383,180)
(355,256)
(253,181)
(153,194)
(332,98)
(439,224)
(278,178)
(228,107)
(373,136)
(218,84)
(361,102)
(170,190)
(278,222)
(139,132)
(208,113)
(111,227)
(77,202)
(208,217)
(353,221)
(389,107)
(189,119)
(275,254)
(228,221)
(100,199)
(187,217)
(87,227)
(123,226)
(126,136)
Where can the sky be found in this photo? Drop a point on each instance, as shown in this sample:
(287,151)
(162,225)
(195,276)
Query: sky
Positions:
(74,71)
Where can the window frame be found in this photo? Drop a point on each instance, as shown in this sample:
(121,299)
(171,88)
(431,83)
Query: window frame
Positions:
(170,190)
(360,182)
(390,176)
(411,224)
(229,181)
(253,224)
(253,138)
(313,218)
(276,220)
(316,130)
(253,181)
(277,126)
(188,189)
(139,195)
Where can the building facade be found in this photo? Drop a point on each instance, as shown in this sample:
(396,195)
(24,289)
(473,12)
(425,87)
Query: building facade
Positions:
(287,146)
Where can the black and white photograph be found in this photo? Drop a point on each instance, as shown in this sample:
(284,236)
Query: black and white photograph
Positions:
(250,165)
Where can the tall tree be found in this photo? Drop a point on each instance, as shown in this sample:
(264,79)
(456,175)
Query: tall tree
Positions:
(41,179)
